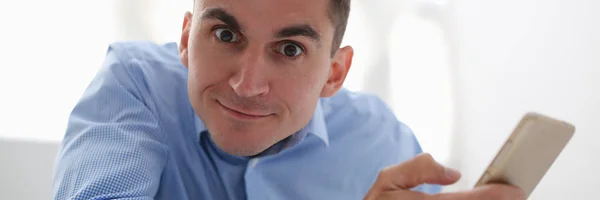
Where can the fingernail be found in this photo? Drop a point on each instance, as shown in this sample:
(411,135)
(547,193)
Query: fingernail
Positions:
(452,173)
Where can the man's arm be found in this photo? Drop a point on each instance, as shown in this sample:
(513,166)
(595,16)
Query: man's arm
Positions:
(113,147)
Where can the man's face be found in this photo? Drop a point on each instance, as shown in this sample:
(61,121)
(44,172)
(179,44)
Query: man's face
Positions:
(257,68)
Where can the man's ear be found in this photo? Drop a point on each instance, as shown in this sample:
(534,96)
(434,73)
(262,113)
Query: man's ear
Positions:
(340,65)
(185,36)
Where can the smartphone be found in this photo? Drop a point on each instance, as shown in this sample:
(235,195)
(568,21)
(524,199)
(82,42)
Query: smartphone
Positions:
(529,152)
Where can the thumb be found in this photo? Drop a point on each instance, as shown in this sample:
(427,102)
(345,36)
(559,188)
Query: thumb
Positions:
(416,171)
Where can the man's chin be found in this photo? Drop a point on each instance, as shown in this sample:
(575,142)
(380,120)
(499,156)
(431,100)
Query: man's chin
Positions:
(239,146)
(241,150)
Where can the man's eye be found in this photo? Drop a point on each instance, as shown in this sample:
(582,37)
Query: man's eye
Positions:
(290,50)
(226,35)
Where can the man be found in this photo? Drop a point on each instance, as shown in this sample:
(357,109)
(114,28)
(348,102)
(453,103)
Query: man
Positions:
(249,106)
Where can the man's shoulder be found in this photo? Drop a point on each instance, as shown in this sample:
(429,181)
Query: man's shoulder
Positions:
(351,104)
(146,70)
(365,118)
(145,57)
(146,64)
(365,125)
(362,113)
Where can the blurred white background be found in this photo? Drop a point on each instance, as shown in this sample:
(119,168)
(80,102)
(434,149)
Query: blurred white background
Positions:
(460,73)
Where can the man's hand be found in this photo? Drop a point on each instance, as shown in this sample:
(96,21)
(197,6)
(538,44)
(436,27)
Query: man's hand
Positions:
(396,181)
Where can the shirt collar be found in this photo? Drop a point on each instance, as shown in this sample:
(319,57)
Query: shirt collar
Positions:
(316,126)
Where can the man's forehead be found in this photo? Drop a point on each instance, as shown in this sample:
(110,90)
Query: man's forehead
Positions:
(314,4)
(271,13)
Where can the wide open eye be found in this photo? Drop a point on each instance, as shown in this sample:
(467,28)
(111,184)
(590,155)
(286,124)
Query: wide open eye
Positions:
(290,49)
(226,35)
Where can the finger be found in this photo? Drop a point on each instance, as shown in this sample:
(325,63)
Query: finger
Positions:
(402,194)
(416,171)
(491,192)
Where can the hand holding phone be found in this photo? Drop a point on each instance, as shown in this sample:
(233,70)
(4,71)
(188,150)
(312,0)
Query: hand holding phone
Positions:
(529,152)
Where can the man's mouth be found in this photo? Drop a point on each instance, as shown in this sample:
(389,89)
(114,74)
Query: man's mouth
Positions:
(243,114)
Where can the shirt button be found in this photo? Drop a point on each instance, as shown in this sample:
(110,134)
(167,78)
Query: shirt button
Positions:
(253,162)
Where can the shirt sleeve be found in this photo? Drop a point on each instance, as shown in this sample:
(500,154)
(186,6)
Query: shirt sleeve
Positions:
(113,147)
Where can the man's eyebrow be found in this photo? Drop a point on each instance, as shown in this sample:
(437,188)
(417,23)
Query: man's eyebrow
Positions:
(220,14)
(300,30)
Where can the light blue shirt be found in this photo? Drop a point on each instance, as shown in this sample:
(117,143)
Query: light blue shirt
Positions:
(134,135)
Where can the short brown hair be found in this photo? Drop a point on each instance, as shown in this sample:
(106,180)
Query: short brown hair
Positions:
(339,10)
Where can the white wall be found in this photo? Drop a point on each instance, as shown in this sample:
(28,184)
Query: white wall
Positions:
(516,56)
(26,169)
(49,52)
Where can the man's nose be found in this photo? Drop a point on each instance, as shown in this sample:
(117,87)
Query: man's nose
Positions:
(250,78)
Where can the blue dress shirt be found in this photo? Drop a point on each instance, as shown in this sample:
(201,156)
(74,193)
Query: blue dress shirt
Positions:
(134,135)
